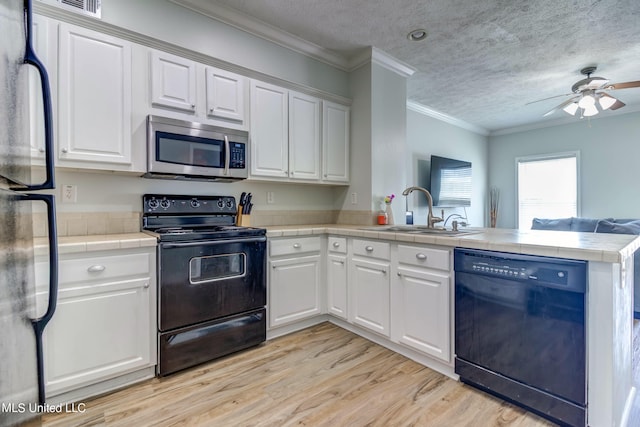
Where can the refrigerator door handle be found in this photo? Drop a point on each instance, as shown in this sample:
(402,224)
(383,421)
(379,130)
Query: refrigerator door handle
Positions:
(40,323)
(31,58)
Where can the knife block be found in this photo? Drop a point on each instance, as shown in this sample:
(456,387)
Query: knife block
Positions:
(243,220)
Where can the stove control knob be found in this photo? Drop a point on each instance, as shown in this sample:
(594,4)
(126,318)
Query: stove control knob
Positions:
(164,204)
(229,204)
(220,204)
(153,204)
(195,203)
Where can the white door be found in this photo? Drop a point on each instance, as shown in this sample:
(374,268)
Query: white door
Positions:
(173,81)
(335,142)
(304,137)
(225,95)
(370,295)
(294,289)
(421,312)
(337,285)
(94,97)
(269,130)
(98,332)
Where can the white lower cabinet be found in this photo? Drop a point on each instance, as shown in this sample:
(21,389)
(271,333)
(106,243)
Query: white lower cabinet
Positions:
(294,280)
(337,277)
(369,286)
(104,325)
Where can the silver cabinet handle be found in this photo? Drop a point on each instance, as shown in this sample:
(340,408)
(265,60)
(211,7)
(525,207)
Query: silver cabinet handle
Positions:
(369,249)
(193,106)
(146,285)
(336,244)
(384,271)
(297,245)
(64,150)
(41,150)
(340,262)
(96,268)
(421,256)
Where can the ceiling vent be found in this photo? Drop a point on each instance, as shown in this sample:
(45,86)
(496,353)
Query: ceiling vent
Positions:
(87,7)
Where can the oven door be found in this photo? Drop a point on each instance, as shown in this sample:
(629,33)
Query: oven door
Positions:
(206,280)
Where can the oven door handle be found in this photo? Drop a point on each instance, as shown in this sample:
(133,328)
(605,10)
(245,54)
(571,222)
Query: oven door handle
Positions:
(212,242)
(227,155)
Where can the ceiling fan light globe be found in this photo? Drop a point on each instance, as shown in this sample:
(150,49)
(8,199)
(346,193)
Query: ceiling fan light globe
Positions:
(591,110)
(571,108)
(586,101)
(606,101)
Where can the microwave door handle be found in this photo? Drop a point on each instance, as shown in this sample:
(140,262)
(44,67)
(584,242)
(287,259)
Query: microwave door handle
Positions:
(40,323)
(227,155)
(31,58)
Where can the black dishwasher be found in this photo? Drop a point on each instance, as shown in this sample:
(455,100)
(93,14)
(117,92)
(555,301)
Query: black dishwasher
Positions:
(520,330)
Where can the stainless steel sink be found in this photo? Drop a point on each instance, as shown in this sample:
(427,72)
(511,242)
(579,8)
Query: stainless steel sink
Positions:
(421,229)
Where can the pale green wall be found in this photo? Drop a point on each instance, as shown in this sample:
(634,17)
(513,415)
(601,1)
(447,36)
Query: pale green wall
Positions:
(427,136)
(609,164)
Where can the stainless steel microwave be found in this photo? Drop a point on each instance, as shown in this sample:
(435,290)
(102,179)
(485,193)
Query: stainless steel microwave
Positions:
(178,149)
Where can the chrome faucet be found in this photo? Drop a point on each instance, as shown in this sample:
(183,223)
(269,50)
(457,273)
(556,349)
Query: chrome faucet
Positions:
(430,218)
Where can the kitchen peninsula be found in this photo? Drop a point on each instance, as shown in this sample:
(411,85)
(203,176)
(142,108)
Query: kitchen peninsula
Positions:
(609,294)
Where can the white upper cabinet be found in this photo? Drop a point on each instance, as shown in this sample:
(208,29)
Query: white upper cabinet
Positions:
(304,136)
(94,114)
(225,95)
(173,81)
(335,142)
(269,130)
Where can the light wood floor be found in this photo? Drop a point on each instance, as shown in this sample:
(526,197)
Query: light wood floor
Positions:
(321,376)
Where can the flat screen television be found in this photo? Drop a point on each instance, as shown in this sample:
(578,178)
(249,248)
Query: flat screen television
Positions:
(450,182)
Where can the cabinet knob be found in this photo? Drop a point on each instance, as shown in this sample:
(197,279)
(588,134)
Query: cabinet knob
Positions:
(336,244)
(399,274)
(297,245)
(340,262)
(369,249)
(146,285)
(96,268)
(64,150)
(384,271)
(421,256)
(41,150)
(325,175)
(193,106)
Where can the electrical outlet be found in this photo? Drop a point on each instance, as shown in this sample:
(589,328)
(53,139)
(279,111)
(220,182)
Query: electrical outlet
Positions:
(270,198)
(69,193)
(354,198)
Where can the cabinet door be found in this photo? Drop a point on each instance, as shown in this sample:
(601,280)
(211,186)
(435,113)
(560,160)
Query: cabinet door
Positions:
(304,137)
(335,142)
(269,130)
(98,332)
(420,312)
(95,103)
(370,295)
(294,289)
(173,81)
(225,95)
(337,285)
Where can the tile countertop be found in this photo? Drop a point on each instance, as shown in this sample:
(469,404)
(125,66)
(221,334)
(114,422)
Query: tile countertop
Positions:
(103,242)
(563,244)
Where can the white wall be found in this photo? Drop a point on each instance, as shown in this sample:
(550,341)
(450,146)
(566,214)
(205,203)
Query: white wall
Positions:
(427,136)
(609,156)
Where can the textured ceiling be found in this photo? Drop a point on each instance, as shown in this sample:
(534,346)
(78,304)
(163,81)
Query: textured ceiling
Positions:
(482,60)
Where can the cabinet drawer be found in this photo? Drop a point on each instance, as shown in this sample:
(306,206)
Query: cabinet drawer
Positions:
(371,248)
(294,246)
(102,268)
(338,244)
(424,257)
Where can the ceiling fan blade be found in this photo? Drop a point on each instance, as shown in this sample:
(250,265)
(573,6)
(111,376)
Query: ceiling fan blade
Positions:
(558,107)
(625,85)
(551,97)
(617,104)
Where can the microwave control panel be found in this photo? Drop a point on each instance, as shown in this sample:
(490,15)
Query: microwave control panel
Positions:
(237,155)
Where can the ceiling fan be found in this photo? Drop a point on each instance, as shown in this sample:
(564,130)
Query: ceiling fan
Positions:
(590,95)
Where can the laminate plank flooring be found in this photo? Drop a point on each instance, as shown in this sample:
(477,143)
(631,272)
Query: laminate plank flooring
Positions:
(320,376)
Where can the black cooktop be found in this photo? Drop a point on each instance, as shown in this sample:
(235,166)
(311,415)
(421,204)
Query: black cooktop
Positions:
(190,218)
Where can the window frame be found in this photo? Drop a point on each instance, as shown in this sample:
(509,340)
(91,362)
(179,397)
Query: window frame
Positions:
(542,157)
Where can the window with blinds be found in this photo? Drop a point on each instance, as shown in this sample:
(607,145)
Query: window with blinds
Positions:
(455,186)
(547,187)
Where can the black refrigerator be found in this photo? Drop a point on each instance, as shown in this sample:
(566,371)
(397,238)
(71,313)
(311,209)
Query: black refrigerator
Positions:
(21,321)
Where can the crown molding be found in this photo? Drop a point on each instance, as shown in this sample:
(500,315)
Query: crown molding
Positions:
(427,111)
(268,32)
